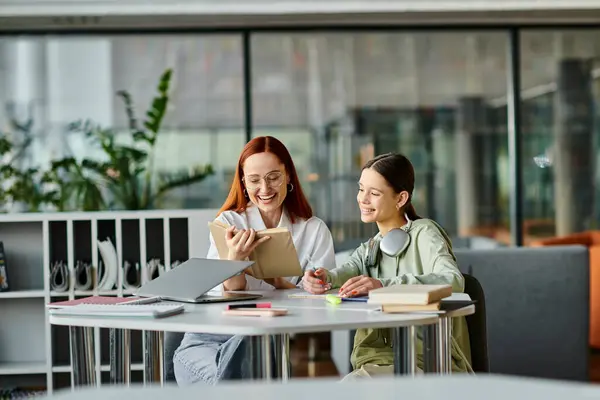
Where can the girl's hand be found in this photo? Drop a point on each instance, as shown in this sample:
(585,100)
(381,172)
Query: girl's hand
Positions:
(242,243)
(359,286)
(315,281)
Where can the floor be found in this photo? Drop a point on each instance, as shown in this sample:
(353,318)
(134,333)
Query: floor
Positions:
(319,363)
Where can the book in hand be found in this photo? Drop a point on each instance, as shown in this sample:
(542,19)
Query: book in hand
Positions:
(275,258)
(410,294)
(154,310)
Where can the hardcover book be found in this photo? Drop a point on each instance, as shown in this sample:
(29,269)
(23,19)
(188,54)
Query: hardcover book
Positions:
(3,270)
(275,258)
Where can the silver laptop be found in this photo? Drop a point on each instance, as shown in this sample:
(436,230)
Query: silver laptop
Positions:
(191,282)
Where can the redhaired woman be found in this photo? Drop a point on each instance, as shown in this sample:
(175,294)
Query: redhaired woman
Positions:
(265,193)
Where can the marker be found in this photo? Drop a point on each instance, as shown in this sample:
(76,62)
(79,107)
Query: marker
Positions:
(254,305)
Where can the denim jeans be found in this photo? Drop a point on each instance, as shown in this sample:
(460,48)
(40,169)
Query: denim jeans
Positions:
(209,359)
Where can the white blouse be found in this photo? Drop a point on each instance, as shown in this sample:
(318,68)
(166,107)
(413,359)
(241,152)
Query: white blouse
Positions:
(312,238)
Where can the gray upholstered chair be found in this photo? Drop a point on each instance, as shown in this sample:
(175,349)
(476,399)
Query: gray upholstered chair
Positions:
(172,341)
(537,309)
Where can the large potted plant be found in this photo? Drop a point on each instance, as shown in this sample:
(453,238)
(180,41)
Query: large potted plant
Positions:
(125,177)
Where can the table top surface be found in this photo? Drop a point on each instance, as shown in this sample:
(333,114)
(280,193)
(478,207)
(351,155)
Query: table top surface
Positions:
(429,387)
(304,315)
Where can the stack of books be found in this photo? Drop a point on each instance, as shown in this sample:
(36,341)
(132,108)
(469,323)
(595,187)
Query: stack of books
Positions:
(410,298)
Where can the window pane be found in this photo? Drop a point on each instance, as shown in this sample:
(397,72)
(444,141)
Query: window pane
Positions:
(560,145)
(59,80)
(336,100)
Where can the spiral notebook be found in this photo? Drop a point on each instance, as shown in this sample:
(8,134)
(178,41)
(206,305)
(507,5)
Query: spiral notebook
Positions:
(154,310)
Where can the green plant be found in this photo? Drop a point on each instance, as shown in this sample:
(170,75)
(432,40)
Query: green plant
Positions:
(126,173)
(25,186)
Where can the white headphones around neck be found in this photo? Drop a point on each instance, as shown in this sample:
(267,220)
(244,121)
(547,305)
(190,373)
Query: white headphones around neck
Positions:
(392,244)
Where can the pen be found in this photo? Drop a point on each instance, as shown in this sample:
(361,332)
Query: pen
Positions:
(254,305)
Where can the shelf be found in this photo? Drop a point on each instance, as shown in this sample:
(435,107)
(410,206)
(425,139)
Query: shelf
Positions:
(22,294)
(62,368)
(134,367)
(22,368)
(34,353)
(67,368)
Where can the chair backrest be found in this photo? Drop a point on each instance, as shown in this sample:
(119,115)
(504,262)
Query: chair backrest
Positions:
(172,342)
(477,326)
(537,309)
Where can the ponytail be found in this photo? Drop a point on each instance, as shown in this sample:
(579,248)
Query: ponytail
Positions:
(410,212)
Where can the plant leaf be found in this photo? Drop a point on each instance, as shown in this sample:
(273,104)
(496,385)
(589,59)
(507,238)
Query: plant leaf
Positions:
(169,182)
(158,108)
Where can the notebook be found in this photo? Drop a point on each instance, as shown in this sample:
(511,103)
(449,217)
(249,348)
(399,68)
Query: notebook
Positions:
(306,295)
(409,294)
(103,300)
(155,310)
(275,258)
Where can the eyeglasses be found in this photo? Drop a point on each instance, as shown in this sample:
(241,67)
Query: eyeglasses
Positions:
(273,180)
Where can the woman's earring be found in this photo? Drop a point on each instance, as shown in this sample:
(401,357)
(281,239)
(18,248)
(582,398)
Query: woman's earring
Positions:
(291,187)
(245,193)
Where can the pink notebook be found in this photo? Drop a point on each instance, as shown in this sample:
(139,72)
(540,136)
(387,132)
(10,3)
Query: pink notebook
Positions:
(106,300)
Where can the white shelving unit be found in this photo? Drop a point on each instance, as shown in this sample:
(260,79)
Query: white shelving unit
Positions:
(34,354)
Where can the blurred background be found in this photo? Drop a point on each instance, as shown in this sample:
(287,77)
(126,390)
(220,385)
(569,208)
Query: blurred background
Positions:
(336,97)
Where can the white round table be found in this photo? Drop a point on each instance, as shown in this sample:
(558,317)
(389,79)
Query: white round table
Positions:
(304,315)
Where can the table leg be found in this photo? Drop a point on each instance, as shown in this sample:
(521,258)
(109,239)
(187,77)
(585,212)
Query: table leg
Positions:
(445,332)
(282,356)
(82,356)
(260,354)
(432,349)
(120,356)
(405,360)
(154,357)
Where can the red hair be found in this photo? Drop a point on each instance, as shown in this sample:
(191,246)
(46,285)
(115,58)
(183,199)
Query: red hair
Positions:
(295,202)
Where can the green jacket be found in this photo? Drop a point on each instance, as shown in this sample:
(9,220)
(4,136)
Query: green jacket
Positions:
(427,260)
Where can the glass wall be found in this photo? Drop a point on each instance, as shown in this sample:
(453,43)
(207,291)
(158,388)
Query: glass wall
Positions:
(335,99)
(338,99)
(56,81)
(559,100)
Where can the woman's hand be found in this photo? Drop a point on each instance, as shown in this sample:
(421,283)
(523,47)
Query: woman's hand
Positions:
(242,243)
(359,286)
(315,281)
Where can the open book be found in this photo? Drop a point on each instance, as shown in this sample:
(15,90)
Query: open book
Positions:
(275,258)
